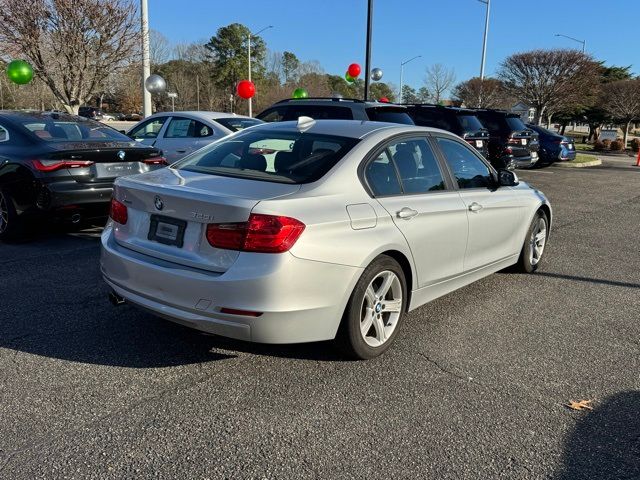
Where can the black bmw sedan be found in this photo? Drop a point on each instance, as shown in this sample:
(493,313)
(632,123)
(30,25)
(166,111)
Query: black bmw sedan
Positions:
(62,167)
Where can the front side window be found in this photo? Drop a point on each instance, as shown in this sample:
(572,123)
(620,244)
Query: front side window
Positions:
(275,156)
(468,170)
(149,129)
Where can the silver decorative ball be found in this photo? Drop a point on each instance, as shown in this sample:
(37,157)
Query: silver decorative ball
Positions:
(376,74)
(155,84)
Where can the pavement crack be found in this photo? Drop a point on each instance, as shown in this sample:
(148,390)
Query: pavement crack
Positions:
(443,369)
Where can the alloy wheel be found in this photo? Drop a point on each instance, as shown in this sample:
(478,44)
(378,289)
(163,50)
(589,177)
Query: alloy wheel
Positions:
(381,308)
(537,241)
(4,213)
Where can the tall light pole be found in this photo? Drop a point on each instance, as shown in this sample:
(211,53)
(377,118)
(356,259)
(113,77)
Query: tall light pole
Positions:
(583,42)
(486,34)
(367,59)
(249,61)
(146,61)
(402,64)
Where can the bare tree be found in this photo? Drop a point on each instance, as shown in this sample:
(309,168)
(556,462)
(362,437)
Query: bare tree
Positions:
(159,48)
(486,93)
(549,79)
(73,45)
(438,80)
(621,100)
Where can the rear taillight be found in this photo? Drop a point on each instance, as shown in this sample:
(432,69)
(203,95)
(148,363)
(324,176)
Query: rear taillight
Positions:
(514,141)
(118,212)
(53,165)
(156,161)
(261,233)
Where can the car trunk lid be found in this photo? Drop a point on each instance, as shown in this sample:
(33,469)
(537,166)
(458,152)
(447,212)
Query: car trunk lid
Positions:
(169,210)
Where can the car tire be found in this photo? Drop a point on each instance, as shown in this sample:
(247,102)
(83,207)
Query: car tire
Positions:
(375,310)
(534,244)
(11,226)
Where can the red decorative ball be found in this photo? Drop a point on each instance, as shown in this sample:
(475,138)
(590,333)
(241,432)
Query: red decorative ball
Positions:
(246,89)
(354,70)
(383,100)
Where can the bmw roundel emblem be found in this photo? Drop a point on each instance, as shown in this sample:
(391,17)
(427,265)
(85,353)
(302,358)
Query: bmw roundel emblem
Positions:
(121,154)
(159,204)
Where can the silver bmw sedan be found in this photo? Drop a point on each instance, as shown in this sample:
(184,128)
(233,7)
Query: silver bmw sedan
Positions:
(315,230)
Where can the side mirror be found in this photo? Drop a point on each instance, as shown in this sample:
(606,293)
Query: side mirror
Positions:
(507,178)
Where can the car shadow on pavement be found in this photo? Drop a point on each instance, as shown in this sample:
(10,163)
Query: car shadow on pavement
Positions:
(601,281)
(605,443)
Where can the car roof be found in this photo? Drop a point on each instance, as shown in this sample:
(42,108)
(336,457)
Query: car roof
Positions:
(331,101)
(200,115)
(441,108)
(344,128)
(21,115)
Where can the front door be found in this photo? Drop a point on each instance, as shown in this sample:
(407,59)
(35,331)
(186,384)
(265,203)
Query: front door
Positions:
(407,181)
(182,137)
(495,215)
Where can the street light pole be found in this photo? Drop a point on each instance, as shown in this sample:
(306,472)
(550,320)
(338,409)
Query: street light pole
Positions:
(583,42)
(249,61)
(486,34)
(367,61)
(402,64)
(146,62)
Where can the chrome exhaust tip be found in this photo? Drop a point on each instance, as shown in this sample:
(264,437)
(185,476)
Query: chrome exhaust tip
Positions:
(115,299)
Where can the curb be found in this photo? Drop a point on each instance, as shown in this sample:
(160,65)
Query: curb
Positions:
(592,163)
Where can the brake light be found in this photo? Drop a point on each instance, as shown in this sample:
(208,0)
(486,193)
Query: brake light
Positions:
(514,141)
(53,165)
(118,212)
(261,233)
(156,161)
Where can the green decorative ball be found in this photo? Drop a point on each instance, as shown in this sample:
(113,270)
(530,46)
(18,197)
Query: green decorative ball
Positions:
(349,78)
(300,93)
(20,72)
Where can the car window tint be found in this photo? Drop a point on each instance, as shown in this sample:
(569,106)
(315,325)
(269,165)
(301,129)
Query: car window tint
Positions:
(468,170)
(417,166)
(381,176)
(187,128)
(148,129)
(469,123)
(4,134)
(493,125)
(237,124)
(433,119)
(273,115)
(319,112)
(391,115)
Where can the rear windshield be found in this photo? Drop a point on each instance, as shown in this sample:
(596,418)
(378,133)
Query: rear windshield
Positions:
(470,123)
(389,115)
(53,130)
(515,123)
(237,124)
(271,156)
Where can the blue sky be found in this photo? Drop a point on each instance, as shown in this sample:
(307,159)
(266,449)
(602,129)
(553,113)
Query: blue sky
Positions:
(442,31)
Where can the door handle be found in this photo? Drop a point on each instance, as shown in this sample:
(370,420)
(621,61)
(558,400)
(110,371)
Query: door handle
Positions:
(475,207)
(407,213)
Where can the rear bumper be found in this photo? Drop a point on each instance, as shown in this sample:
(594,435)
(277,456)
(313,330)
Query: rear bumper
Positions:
(299,300)
(56,195)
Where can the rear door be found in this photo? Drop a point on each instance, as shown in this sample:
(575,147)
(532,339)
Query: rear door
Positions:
(407,180)
(183,136)
(495,214)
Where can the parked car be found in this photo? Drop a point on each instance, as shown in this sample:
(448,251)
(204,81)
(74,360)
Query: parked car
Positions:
(335,109)
(553,146)
(108,116)
(55,165)
(133,117)
(91,112)
(179,133)
(336,232)
(461,121)
(509,140)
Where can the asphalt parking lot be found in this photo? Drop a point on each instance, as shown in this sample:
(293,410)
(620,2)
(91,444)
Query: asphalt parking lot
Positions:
(473,388)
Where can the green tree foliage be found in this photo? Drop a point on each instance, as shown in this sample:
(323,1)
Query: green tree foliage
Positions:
(228,54)
(290,65)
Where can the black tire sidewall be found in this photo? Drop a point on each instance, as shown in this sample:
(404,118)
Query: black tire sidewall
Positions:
(12,229)
(353,342)
(525,262)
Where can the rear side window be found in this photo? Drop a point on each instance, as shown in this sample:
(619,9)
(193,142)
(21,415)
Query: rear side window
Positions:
(469,123)
(468,170)
(187,128)
(492,124)
(319,112)
(381,114)
(417,166)
(515,123)
(271,156)
(382,177)
(273,115)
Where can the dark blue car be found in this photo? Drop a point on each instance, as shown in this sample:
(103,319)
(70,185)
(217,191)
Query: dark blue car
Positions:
(554,147)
